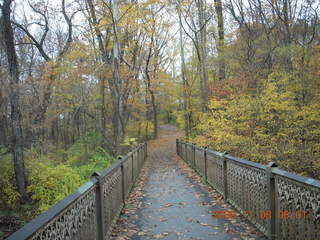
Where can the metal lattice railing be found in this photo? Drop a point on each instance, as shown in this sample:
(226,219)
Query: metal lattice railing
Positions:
(282,205)
(92,210)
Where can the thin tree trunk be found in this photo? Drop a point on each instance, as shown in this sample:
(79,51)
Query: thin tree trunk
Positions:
(3,121)
(155,115)
(105,61)
(102,110)
(118,106)
(14,96)
(3,130)
(153,99)
(203,55)
(287,34)
(150,91)
(218,7)
(184,80)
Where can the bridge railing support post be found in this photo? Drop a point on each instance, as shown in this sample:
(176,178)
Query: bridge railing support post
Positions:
(194,155)
(122,182)
(177,147)
(185,153)
(205,164)
(137,159)
(99,207)
(132,163)
(271,201)
(225,176)
(145,150)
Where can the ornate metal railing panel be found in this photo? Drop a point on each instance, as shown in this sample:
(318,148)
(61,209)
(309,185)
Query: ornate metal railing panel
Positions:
(199,160)
(247,191)
(139,156)
(91,211)
(297,207)
(112,197)
(215,171)
(128,175)
(183,151)
(135,165)
(69,224)
(190,154)
(282,205)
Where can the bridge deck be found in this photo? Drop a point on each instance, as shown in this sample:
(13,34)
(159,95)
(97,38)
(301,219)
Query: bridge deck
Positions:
(170,202)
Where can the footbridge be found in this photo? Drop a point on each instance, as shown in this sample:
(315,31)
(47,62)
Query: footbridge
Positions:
(172,189)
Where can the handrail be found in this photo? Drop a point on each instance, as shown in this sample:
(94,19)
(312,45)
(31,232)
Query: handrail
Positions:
(302,179)
(281,204)
(78,215)
(28,230)
(245,162)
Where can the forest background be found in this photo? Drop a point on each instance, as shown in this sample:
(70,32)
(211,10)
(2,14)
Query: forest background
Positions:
(83,81)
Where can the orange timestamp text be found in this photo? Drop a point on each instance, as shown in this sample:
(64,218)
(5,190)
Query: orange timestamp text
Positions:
(263,214)
(282,214)
(225,214)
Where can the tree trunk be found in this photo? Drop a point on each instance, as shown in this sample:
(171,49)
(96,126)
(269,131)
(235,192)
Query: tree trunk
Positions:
(155,115)
(118,103)
(184,79)
(220,48)
(287,34)
(202,54)
(14,96)
(106,62)
(4,126)
(3,130)
(41,111)
(153,99)
(102,110)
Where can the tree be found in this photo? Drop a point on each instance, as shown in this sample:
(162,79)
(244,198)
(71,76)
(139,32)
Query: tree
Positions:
(220,45)
(14,96)
(185,83)
(157,34)
(42,10)
(112,61)
(198,27)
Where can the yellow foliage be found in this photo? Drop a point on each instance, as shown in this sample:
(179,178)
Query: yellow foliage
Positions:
(267,127)
(50,184)
(9,196)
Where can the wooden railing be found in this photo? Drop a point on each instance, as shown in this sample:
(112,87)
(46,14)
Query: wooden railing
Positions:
(281,204)
(92,210)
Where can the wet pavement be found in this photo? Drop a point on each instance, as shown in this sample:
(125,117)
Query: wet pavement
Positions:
(171,202)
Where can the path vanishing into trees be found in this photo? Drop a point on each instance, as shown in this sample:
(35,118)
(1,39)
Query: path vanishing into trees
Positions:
(169,201)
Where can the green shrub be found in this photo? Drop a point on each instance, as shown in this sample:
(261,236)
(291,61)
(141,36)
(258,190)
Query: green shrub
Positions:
(50,184)
(54,175)
(9,196)
(100,160)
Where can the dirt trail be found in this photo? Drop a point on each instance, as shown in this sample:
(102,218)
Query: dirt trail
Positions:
(170,202)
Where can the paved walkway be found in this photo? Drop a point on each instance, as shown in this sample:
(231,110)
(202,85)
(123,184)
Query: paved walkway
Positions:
(170,202)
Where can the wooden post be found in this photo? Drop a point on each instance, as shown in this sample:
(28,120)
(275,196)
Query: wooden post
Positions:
(99,203)
(271,201)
